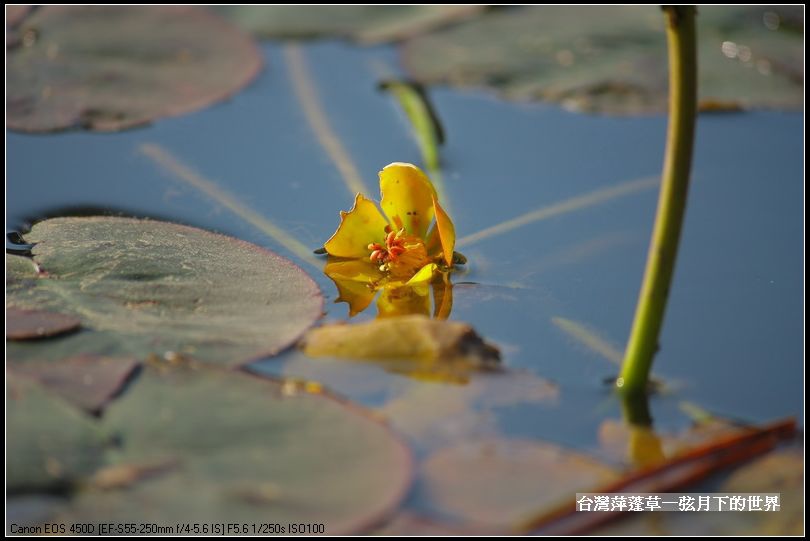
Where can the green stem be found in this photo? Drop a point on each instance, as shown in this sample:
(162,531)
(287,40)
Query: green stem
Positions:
(643,342)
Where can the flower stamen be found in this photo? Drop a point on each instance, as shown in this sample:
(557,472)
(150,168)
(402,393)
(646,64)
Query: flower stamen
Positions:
(401,253)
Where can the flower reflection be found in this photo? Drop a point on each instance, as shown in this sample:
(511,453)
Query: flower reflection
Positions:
(358,287)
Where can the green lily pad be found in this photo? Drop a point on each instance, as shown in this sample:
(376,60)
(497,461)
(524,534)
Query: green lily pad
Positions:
(365,24)
(613,59)
(49,444)
(499,483)
(241,449)
(113,67)
(87,381)
(410,524)
(144,288)
(19,269)
(779,471)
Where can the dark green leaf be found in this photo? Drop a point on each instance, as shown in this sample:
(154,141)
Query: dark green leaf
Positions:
(500,483)
(205,445)
(113,67)
(151,288)
(87,381)
(33,324)
(49,444)
(365,24)
(614,59)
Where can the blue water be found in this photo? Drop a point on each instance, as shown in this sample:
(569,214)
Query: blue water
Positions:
(733,336)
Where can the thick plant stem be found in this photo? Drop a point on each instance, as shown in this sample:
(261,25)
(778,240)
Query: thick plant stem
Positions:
(643,342)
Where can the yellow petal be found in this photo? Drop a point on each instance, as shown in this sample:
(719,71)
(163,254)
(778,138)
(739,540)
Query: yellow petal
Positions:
(407,197)
(447,232)
(358,228)
(358,270)
(424,275)
(356,281)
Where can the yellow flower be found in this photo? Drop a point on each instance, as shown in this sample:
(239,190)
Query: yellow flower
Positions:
(404,246)
(402,242)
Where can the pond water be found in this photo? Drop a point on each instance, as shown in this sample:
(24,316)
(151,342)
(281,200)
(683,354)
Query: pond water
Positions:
(733,337)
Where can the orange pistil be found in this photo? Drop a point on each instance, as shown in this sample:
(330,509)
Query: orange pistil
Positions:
(400,251)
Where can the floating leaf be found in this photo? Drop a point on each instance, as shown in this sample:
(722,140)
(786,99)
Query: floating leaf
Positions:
(500,483)
(410,524)
(15,14)
(781,471)
(114,67)
(204,445)
(614,60)
(33,324)
(19,269)
(365,24)
(49,444)
(87,381)
(673,475)
(146,287)
(430,348)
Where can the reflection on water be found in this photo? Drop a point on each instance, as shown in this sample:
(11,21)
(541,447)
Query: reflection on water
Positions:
(733,330)
(357,285)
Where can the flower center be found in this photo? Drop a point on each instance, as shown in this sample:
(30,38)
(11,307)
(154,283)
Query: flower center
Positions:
(402,254)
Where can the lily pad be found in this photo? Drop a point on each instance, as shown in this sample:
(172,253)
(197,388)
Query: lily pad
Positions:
(500,483)
(49,444)
(410,524)
(33,324)
(86,381)
(15,14)
(113,67)
(242,449)
(780,471)
(365,24)
(613,59)
(19,269)
(145,288)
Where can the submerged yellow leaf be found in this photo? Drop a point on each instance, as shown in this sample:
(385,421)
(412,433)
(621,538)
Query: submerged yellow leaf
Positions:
(413,337)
